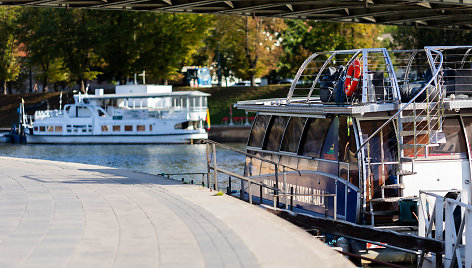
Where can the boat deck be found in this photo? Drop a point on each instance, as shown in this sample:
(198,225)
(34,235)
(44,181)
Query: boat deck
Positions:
(316,107)
(57,214)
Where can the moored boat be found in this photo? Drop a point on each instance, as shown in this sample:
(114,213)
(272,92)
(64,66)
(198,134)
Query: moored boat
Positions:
(135,114)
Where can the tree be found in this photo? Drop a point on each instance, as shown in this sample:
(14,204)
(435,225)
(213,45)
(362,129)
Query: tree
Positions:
(77,43)
(413,38)
(117,44)
(302,38)
(167,41)
(247,45)
(9,49)
(38,29)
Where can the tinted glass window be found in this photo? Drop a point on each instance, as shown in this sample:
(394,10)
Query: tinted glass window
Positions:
(258,131)
(347,150)
(293,134)
(468,130)
(275,131)
(330,149)
(382,148)
(314,135)
(455,141)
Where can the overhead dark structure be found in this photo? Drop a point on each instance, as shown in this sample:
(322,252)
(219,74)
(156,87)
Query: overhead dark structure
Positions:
(452,14)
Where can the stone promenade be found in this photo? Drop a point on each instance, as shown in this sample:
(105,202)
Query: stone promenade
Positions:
(57,214)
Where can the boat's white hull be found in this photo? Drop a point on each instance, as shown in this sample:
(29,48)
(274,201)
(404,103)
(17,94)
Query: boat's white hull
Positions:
(117,139)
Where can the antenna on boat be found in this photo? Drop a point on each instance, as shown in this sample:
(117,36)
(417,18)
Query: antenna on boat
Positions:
(60,101)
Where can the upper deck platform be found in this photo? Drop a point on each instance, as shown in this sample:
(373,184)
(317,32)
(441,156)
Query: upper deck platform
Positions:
(57,214)
(381,80)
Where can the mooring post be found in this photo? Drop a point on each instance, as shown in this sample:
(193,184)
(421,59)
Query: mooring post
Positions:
(208,165)
(203,179)
(183,180)
(241,192)
(215,171)
(191,181)
(291,198)
(229,185)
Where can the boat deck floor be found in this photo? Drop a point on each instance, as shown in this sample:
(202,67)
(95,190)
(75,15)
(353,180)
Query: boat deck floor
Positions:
(57,214)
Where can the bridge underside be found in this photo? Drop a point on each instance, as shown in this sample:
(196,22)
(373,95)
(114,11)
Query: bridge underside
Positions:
(455,14)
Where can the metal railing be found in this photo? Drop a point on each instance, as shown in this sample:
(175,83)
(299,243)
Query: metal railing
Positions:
(274,191)
(448,220)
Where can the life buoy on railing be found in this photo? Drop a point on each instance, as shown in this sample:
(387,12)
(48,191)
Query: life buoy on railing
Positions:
(352,78)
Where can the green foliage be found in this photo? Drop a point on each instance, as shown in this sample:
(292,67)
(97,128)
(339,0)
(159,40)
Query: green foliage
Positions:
(9,51)
(412,38)
(300,39)
(167,42)
(38,30)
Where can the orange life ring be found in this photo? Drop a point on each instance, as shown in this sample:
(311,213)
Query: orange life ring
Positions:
(352,78)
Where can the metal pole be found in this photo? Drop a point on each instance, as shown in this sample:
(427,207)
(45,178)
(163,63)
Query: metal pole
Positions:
(208,165)
(249,192)
(215,171)
(285,189)
(277,182)
(291,198)
(260,193)
(229,185)
(335,205)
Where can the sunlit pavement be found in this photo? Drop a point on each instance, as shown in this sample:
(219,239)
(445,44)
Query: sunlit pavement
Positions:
(56,214)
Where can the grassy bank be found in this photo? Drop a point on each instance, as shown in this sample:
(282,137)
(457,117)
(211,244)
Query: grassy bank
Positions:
(219,102)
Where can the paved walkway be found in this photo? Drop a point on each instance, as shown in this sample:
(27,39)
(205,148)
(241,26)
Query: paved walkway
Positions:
(56,214)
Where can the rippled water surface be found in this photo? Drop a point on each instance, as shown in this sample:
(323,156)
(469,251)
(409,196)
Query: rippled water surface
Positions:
(154,159)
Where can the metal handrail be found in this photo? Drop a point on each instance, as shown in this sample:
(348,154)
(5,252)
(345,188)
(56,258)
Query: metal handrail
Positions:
(248,154)
(406,105)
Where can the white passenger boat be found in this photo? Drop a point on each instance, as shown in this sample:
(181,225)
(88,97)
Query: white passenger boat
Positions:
(135,114)
(386,143)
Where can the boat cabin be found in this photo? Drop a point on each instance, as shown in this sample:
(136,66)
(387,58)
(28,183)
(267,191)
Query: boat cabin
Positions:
(362,131)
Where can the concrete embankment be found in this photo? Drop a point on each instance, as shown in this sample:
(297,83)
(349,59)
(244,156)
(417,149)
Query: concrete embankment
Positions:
(226,133)
(56,214)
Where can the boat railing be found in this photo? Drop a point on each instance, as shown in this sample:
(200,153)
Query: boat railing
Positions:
(47,114)
(326,72)
(442,216)
(434,77)
(276,191)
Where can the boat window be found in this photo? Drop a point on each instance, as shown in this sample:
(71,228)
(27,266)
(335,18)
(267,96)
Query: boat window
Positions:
(293,134)
(468,130)
(329,150)
(150,127)
(116,128)
(258,131)
(382,149)
(101,113)
(50,128)
(128,128)
(42,128)
(105,128)
(253,165)
(58,129)
(455,141)
(275,132)
(140,128)
(313,137)
(347,150)
(290,161)
(35,128)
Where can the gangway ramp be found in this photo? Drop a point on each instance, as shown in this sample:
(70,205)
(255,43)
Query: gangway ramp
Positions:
(58,214)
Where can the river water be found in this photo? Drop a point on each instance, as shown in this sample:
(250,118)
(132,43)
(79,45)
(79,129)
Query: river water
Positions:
(153,159)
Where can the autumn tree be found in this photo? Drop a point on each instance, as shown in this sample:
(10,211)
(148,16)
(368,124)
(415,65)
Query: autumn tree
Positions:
(9,47)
